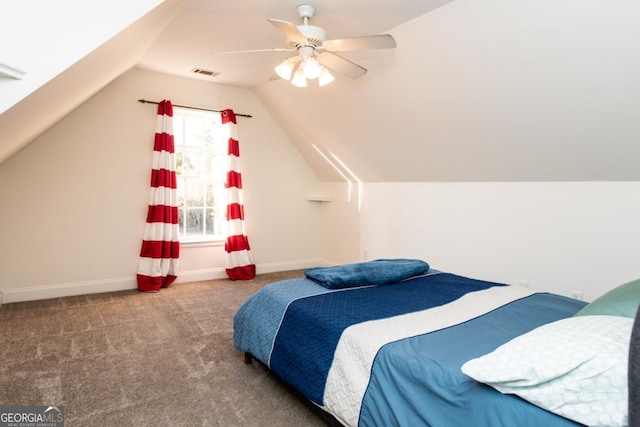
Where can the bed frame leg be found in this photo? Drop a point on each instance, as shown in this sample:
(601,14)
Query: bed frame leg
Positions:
(248,358)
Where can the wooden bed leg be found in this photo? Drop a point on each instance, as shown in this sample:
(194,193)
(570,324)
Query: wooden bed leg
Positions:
(248,358)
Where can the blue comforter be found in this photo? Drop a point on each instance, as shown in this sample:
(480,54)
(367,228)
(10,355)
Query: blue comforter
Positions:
(304,333)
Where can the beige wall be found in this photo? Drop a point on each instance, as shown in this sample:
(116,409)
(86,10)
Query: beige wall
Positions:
(555,236)
(558,237)
(75,200)
(340,224)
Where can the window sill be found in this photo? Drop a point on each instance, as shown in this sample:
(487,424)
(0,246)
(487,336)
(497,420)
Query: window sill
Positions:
(195,243)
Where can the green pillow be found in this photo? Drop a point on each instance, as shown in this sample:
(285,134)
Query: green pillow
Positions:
(621,301)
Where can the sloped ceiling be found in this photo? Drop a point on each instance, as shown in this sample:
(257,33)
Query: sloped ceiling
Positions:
(38,103)
(485,91)
(498,90)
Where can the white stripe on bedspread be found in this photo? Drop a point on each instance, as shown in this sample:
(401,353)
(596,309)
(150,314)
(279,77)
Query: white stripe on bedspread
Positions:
(349,373)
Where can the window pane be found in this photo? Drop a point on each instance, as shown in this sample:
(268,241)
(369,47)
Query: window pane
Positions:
(194,194)
(211,219)
(181,222)
(194,222)
(210,188)
(219,164)
(180,190)
(178,159)
(192,162)
(220,198)
(178,131)
(193,131)
(209,163)
(207,134)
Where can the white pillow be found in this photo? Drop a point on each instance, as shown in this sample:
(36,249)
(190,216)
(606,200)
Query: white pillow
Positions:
(575,367)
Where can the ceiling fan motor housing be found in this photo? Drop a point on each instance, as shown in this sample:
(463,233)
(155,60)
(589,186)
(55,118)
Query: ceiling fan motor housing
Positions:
(315,35)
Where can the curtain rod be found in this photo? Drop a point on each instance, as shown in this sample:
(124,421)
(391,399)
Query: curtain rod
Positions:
(144,101)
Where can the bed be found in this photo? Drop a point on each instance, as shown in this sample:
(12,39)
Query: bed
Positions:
(395,342)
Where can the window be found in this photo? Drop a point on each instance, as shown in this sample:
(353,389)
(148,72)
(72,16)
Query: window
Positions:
(200,148)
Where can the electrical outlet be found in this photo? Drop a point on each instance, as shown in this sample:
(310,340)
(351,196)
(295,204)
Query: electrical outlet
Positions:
(523,283)
(577,295)
(365,254)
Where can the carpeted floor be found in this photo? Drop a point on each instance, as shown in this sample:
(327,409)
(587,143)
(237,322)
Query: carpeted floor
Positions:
(133,359)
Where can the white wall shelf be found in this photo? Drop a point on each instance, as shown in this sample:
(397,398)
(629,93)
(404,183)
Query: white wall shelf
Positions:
(318,198)
(10,71)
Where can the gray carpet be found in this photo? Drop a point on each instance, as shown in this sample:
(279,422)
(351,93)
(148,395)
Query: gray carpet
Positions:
(134,359)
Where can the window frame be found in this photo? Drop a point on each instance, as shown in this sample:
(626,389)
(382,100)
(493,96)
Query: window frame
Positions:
(185,140)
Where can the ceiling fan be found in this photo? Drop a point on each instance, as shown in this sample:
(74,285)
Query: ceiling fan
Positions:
(316,56)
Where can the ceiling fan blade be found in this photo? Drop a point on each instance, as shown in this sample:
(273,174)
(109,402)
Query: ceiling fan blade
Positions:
(342,65)
(383,41)
(290,30)
(274,49)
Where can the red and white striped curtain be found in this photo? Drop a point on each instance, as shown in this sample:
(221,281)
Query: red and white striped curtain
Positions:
(239,264)
(158,264)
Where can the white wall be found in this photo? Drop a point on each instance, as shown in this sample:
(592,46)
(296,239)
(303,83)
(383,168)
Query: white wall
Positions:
(560,237)
(555,236)
(74,201)
(340,226)
(43,38)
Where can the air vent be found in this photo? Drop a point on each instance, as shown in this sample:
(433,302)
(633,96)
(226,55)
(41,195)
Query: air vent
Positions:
(205,72)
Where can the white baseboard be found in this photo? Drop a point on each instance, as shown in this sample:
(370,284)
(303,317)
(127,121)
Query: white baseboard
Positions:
(33,293)
(200,275)
(328,263)
(275,267)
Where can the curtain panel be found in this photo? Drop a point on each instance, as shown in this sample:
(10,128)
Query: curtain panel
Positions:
(158,263)
(239,263)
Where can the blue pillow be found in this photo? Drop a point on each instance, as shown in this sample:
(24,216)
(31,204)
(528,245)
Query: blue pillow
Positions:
(377,272)
(621,301)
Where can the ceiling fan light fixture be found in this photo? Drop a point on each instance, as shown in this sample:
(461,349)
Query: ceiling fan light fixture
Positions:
(298,79)
(285,69)
(309,40)
(311,68)
(325,77)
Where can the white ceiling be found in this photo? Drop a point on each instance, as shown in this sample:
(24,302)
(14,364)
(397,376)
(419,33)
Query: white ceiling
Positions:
(205,27)
(42,38)
(498,90)
(68,59)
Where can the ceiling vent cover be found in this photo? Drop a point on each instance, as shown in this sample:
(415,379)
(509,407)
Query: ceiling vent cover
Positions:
(205,72)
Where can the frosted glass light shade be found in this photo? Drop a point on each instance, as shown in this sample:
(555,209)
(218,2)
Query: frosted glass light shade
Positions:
(312,68)
(298,79)
(325,77)
(285,69)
